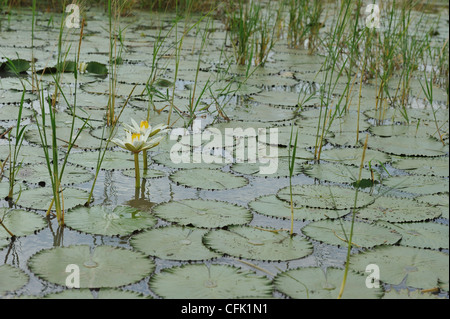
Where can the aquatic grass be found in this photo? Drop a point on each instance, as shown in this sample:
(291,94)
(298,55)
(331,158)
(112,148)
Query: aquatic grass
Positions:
(291,172)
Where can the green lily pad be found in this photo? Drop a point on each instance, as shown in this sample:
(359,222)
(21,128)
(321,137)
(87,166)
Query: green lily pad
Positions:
(20,222)
(202,178)
(149,173)
(438,200)
(113,160)
(417,184)
(323,196)
(407,294)
(364,235)
(101,266)
(263,113)
(10,112)
(258,244)
(270,205)
(397,209)
(337,173)
(352,156)
(420,268)
(408,146)
(213,282)
(276,167)
(12,279)
(120,221)
(104,293)
(203,213)
(28,154)
(424,166)
(173,243)
(41,198)
(422,234)
(38,174)
(175,161)
(314,283)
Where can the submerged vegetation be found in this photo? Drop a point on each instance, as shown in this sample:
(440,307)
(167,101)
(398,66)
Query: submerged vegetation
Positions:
(356,92)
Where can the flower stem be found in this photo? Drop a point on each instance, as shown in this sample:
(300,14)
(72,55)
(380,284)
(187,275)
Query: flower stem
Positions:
(136,168)
(144,154)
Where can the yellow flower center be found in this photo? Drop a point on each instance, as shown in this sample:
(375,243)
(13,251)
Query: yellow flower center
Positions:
(135,136)
(144,124)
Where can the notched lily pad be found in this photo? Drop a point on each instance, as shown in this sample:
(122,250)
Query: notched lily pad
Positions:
(213,282)
(417,184)
(120,220)
(202,178)
(20,222)
(173,243)
(12,279)
(259,244)
(102,266)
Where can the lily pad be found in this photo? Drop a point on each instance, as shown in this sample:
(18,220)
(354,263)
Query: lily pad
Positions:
(353,156)
(120,221)
(173,243)
(323,196)
(438,200)
(275,167)
(20,222)
(338,173)
(10,112)
(28,154)
(104,293)
(257,243)
(422,234)
(12,279)
(213,282)
(397,209)
(417,184)
(314,283)
(424,166)
(408,146)
(149,173)
(364,235)
(203,213)
(270,205)
(41,198)
(419,268)
(202,178)
(113,160)
(101,266)
(194,160)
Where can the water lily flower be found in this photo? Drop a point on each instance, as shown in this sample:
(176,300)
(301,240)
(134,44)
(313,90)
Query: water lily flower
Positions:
(139,139)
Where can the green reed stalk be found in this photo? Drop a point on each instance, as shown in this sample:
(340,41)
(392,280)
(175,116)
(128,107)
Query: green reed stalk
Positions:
(291,173)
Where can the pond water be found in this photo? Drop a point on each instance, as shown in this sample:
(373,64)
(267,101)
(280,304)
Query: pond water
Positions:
(215,229)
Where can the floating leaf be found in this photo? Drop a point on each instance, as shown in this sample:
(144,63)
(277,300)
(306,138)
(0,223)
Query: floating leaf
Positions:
(352,156)
(191,162)
(408,146)
(314,283)
(101,266)
(113,160)
(120,221)
(10,112)
(323,196)
(259,244)
(203,213)
(15,66)
(149,173)
(338,173)
(420,268)
(422,234)
(417,184)
(12,279)
(213,282)
(408,294)
(20,222)
(397,209)
(210,179)
(364,235)
(97,68)
(439,200)
(104,293)
(270,205)
(173,243)
(424,166)
(41,198)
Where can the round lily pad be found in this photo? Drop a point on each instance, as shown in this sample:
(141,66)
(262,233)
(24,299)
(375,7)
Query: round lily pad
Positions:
(209,282)
(323,196)
(10,112)
(439,200)
(270,205)
(422,234)
(149,173)
(417,184)
(100,266)
(104,293)
(99,220)
(12,278)
(210,179)
(419,268)
(424,166)
(28,154)
(38,174)
(193,159)
(113,160)
(352,156)
(258,244)
(203,213)
(20,222)
(174,243)
(314,283)
(398,209)
(40,198)
(364,235)
(338,173)
(408,146)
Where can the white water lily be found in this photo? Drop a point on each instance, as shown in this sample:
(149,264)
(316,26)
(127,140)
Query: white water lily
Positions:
(137,142)
(144,128)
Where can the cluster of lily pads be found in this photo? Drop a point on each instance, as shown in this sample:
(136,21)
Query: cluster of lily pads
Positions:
(218,230)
